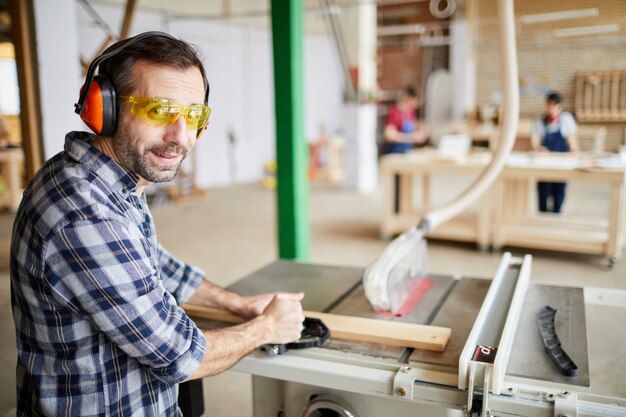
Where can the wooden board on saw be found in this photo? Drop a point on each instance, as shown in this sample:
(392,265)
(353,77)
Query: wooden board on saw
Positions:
(360,329)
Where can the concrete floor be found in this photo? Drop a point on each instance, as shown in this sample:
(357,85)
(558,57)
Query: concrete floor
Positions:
(232,233)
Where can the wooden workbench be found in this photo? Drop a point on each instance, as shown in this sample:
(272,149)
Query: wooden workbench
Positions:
(467,227)
(504,215)
(519,225)
(10,161)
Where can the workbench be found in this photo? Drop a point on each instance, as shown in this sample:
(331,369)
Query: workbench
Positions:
(504,216)
(10,161)
(422,166)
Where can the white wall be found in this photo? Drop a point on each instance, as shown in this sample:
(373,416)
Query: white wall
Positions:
(59,70)
(360,157)
(239,66)
(323,87)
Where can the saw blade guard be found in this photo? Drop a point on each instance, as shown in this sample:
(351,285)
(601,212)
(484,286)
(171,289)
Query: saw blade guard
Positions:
(392,277)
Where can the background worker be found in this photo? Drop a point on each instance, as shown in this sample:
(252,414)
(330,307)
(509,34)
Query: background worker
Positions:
(554,132)
(402,129)
(96,299)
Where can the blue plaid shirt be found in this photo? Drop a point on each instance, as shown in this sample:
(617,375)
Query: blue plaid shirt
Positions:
(95,297)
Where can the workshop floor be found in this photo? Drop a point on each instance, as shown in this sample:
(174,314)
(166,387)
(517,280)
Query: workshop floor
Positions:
(231,233)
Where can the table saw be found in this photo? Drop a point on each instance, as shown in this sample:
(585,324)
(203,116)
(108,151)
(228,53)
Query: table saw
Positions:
(350,379)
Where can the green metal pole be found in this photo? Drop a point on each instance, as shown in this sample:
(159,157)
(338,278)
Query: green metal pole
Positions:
(292,195)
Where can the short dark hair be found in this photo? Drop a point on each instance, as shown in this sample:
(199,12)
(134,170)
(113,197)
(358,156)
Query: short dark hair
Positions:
(554,97)
(410,91)
(160,50)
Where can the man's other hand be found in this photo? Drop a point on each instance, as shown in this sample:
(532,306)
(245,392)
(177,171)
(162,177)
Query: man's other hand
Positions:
(252,306)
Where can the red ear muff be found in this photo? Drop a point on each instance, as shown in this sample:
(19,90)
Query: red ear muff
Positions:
(100,109)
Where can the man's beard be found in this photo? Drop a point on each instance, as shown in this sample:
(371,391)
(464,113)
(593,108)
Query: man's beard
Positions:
(141,164)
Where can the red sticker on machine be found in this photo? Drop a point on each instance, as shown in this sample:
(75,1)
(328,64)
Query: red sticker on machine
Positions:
(484,354)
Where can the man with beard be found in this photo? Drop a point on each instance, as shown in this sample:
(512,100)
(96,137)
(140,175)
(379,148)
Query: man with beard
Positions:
(96,299)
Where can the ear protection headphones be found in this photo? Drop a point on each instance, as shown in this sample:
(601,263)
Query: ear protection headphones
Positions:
(97,104)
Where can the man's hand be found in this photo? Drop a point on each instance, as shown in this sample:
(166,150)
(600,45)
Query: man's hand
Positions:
(280,322)
(284,317)
(252,306)
(211,295)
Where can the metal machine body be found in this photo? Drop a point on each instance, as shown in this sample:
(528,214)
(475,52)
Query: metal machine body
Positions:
(353,379)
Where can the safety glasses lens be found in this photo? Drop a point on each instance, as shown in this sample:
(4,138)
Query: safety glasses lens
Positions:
(198,116)
(159,113)
(163,112)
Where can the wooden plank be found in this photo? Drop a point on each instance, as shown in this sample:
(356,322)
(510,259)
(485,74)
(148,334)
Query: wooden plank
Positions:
(588,96)
(615,93)
(406,193)
(359,329)
(10,162)
(601,96)
(579,94)
(606,93)
(597,94)
(129,13)
(389,194)
(622,98)
(426,191)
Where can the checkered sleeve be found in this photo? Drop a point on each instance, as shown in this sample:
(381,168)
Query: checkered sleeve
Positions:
(180,279)
(101,270)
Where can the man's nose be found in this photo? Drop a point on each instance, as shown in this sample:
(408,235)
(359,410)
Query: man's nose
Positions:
(177,131)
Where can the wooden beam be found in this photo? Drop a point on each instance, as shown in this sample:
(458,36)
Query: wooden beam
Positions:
(226,8)
(85,64)
(22,32)
(128,18)
(391,333)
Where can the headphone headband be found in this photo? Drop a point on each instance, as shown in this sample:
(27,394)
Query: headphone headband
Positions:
(78,107)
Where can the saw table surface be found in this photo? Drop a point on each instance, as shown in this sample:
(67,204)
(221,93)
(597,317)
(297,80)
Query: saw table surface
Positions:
(450,302)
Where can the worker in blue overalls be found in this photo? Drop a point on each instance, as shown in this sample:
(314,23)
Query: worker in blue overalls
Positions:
(554,132)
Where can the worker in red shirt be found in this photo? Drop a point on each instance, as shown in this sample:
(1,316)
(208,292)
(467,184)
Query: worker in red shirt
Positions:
(402,129)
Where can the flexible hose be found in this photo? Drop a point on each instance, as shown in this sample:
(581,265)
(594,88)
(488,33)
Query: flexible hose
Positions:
(508,58)
(388,281)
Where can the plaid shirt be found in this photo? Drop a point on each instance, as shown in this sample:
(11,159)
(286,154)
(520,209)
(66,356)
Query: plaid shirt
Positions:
(95,297)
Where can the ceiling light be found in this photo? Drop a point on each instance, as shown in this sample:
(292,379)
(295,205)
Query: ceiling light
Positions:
(586,30)
(554,16)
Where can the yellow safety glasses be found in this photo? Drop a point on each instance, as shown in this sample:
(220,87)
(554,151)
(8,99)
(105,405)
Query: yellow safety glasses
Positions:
(163,111)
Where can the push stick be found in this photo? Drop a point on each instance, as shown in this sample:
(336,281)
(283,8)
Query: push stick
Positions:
(385,332)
